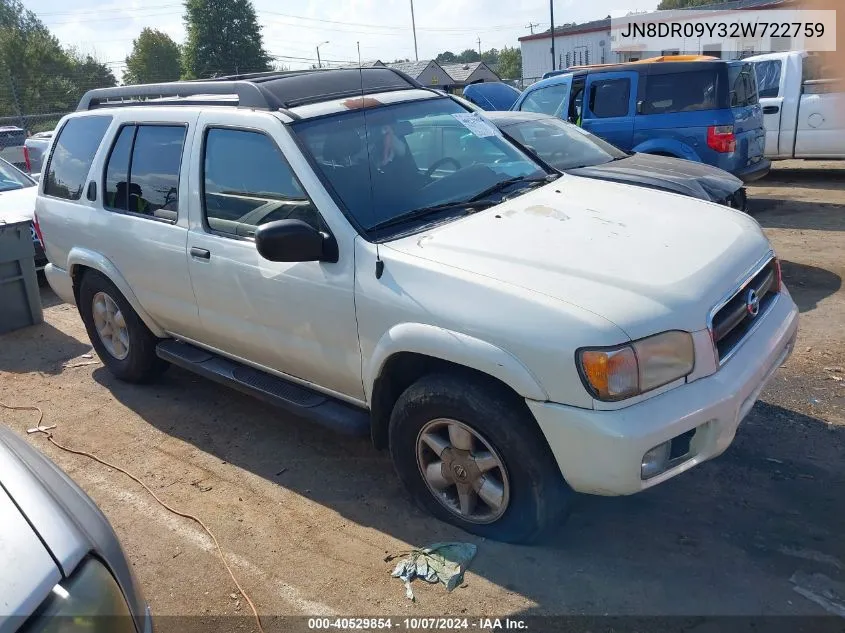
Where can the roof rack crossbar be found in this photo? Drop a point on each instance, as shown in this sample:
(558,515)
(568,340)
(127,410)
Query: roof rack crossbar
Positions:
(250,95)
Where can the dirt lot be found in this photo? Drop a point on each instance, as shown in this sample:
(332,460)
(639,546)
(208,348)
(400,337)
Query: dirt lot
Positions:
(306,517)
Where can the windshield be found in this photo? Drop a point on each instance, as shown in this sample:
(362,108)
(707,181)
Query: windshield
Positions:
(563,145)
(12,178)
(411,156)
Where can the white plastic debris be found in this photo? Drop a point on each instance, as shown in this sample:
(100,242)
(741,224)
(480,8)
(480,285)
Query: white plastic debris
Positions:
(440,562)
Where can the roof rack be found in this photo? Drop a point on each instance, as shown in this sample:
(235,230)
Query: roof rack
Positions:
(275,90)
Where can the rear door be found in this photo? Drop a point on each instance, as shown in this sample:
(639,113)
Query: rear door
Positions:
(608,110)
(770,94)
(551,99)
(747,112)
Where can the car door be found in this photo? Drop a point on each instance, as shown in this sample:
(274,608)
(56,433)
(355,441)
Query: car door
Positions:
(296,319)
(770,94)
(608,108)
(552,99)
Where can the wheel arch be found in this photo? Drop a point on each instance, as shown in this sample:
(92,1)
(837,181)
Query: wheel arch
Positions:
(667,147)
(81,260)
(410,350)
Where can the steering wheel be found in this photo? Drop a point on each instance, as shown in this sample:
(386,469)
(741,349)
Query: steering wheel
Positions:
(442,161)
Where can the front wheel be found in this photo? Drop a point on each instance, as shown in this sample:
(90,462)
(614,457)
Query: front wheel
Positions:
(471,454)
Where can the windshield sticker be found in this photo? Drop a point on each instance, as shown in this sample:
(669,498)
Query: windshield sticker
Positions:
(475,124)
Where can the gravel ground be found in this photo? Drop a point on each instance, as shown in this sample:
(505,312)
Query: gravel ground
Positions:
(306,517)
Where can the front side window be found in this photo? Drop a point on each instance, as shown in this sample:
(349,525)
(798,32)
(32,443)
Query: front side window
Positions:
(563,145)
(72,155)
(680,92)
(389,161)
(609,97)
(142,173)
(768,77)
(545,100)
(248,182)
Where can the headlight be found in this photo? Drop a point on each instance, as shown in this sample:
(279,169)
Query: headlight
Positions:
(90,601)
(616,373)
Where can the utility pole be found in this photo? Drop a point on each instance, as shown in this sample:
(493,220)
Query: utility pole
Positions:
(552,18)
(478,39)
(531,26)
(414,28)
(320,63)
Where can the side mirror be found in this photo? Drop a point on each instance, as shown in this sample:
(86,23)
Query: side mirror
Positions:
(294,241)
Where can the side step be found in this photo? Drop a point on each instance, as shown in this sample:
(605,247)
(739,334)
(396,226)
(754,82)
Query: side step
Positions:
(302,401)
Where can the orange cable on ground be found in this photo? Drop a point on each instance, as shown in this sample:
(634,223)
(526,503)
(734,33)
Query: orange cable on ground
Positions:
(147,488)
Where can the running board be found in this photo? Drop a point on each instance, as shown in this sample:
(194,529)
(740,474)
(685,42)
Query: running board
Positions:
(302,401)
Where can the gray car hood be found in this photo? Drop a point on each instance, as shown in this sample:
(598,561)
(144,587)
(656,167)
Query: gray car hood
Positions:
(671,174)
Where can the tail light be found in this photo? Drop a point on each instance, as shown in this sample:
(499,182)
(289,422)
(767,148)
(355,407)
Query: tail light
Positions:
(26,159)
(37,228)
(721,138)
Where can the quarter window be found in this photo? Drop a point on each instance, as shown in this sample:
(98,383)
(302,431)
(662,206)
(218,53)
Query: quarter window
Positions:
(142,174)
(248,183)
(609,97)
(72,155)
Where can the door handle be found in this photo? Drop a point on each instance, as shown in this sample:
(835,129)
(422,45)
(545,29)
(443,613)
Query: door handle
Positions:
(770,109)
(200,253)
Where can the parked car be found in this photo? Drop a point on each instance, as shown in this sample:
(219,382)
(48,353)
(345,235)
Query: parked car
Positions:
(512,335)
(63,567)
(17,203)
(492,95)
(803,106)
(706,110)
(573,150)
(12,147)
(37,146)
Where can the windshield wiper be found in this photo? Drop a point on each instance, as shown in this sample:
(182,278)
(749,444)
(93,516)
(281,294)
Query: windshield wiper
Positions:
(423,212)
(504,184)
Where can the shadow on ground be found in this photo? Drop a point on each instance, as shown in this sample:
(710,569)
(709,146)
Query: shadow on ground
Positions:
(778,213)
(779,488)
(809,284)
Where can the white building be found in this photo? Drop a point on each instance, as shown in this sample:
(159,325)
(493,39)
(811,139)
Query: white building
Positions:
(591,43)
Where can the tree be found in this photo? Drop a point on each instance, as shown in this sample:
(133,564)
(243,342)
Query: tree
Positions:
(685,4)
(446,57)
(510,63)
(155,57)
(491,57)
(468,55)
(224,38)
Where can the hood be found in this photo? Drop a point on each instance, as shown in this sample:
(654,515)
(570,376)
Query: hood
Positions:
(17,205)
(646,260)
(686,177)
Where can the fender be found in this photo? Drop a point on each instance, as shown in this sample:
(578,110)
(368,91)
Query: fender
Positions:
(454,347)
(667,146)
(97,261)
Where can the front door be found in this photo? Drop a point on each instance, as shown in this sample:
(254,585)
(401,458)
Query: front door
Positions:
(608,108)
(293,318)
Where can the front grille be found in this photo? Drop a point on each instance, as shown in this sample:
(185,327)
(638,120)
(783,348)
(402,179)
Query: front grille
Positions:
(734,320)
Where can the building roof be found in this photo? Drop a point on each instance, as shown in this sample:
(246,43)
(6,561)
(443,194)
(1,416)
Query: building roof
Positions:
(373,63)
(604,24)
(412,69)
(461,72)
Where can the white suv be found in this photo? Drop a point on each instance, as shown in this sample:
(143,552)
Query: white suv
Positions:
(365,252)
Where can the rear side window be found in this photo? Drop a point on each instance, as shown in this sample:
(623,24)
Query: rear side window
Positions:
(609,97)
(248,182)
(768,78)
(142,174)
(743,85)
(545,100)
(72,155)
(680,92)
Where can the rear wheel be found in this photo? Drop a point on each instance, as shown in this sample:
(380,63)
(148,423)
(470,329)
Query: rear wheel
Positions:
(122,341)
(472,455)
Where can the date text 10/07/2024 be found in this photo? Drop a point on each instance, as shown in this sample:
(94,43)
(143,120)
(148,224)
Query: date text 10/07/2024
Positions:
(418,624)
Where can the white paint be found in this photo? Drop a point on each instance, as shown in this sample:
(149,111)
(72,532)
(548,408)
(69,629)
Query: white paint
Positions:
(184,528)
(809,554)
(820,589)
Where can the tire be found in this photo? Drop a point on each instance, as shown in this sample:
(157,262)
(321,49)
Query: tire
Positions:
(536,498)
(140,363)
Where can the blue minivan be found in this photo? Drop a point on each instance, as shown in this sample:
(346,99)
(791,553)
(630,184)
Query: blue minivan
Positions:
(704,110)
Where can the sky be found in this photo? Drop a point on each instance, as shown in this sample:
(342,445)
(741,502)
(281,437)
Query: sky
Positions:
(293,30)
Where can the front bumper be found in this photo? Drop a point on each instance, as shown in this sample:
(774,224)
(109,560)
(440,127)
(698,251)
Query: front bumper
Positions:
(600,452)
(60,282)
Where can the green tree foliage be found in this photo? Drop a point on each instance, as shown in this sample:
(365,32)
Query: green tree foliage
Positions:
(155,57)
(224,38)
(446,57)
(510,63)
(38,76)
(468,55)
